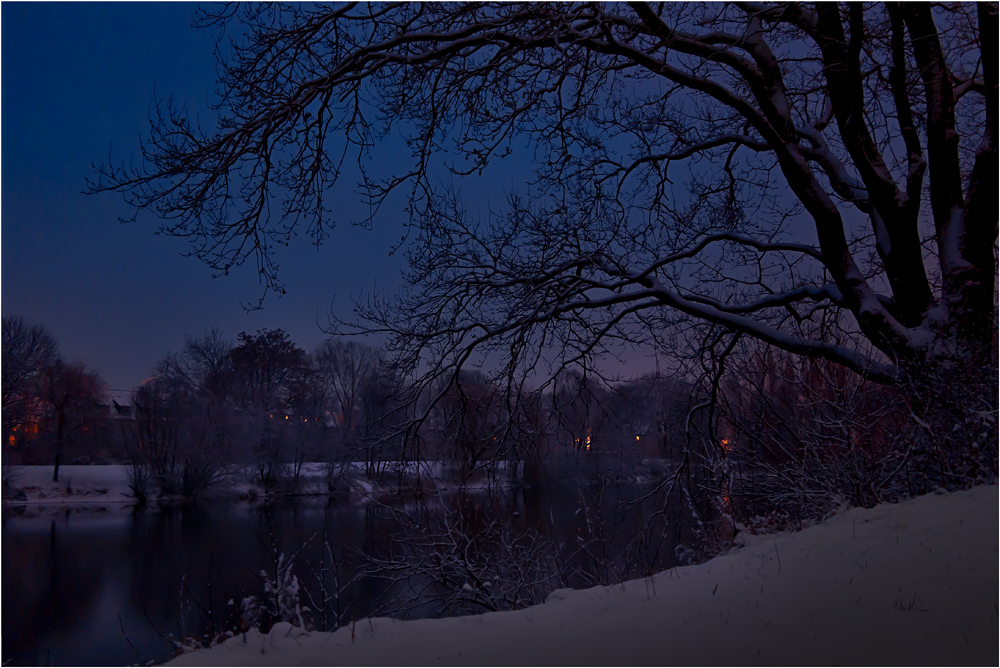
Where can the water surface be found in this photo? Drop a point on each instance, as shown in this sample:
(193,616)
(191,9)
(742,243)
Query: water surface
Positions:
(114,586)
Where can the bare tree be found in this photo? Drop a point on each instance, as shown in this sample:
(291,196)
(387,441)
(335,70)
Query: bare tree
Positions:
(186,430)
(271,373)
(755,167)
(344,368)
(469,420)
(803,432)
(386,413)
(268,366)
(28,350)
(579,410)
(204,365)
(154,444)
(71,397)
(660,405)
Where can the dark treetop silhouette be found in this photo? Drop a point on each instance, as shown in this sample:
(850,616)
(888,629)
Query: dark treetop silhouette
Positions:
(766,169)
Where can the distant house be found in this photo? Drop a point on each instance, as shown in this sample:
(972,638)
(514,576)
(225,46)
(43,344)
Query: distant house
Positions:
(120,404)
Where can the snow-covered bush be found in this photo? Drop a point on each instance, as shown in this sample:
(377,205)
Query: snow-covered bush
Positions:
(283,593)
(250,613)
(280,602)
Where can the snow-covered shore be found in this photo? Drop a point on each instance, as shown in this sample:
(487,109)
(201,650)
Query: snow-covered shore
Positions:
(914,583)
(96,484)
(108,484)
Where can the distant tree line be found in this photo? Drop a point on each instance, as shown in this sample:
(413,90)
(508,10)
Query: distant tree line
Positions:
(52,409)
(266,404)
(752,432)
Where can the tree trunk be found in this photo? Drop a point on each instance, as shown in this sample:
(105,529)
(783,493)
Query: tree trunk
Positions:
(59,447)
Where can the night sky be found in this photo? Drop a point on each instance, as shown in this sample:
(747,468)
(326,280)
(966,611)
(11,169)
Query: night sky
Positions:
(78,82)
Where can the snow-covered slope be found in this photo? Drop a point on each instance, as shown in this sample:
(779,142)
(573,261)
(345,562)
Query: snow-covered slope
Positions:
(908,584)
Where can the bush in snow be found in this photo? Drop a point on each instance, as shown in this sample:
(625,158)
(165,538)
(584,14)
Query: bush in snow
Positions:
(284,594)
(280,602)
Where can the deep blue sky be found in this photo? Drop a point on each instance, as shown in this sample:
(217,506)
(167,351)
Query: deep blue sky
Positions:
(78,81)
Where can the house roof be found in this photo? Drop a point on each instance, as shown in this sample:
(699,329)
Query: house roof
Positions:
(119,397)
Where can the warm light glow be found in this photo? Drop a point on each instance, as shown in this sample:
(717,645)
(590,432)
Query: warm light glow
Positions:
(29,429)
(637,438)
(10,439)
(587,442)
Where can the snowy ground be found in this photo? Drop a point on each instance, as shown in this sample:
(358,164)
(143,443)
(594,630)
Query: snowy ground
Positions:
(907,584)
(107,485)
(98,484)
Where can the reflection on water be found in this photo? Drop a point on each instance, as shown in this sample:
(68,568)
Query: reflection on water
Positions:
(83,586)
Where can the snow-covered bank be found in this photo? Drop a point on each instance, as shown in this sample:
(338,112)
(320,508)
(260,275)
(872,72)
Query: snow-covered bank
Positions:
(97,484)
(108,484)
(908,584)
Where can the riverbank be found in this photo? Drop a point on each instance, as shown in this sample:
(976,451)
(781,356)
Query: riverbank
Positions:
(914,583)
(92,484)
(107,485)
